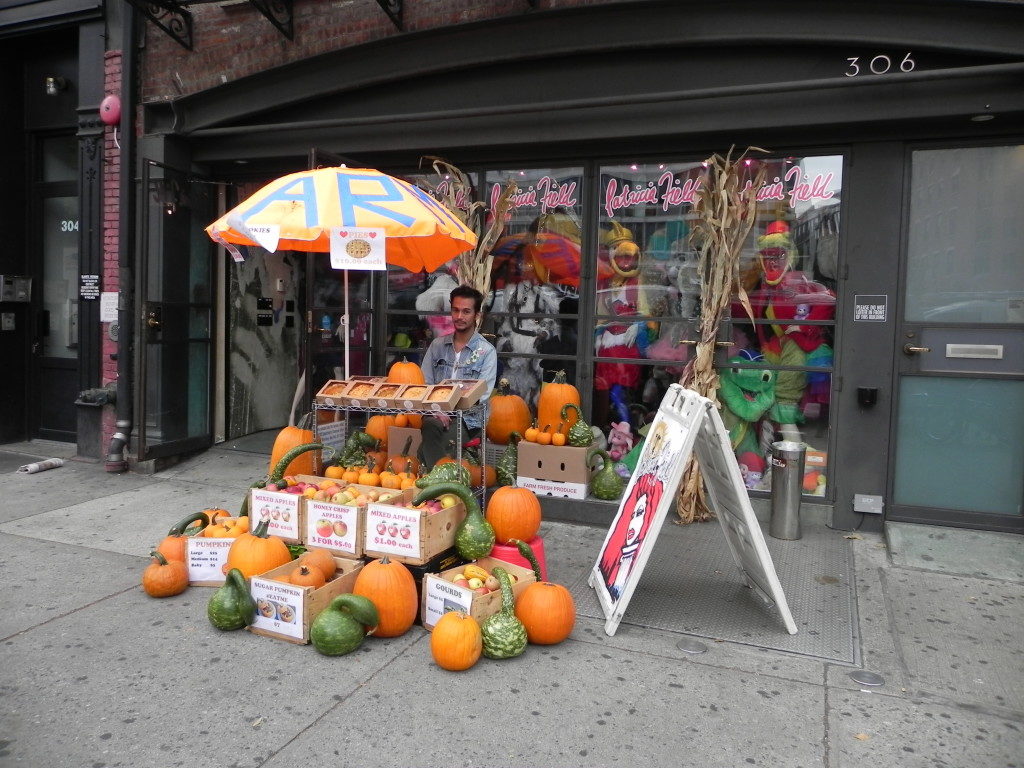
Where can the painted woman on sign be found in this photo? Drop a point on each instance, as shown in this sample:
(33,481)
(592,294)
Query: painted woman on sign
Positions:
(639,509)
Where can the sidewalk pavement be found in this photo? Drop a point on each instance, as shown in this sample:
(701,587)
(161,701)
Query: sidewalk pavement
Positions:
(94,673)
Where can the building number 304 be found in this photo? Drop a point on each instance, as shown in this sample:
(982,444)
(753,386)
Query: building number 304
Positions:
(879,65)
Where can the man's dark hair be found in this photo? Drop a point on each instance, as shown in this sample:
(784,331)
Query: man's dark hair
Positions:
(465,292)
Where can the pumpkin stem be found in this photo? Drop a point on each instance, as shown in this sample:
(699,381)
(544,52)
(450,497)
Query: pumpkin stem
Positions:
(262,529)
(158,557)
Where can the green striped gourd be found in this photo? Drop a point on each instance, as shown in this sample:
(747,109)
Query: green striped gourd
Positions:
(474,537)
(504,635)
(580,434)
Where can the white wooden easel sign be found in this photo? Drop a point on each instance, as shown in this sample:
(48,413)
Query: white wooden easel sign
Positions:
(685,423)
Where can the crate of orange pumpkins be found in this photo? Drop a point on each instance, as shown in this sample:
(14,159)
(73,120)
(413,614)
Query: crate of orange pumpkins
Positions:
(290,596)
(514,514)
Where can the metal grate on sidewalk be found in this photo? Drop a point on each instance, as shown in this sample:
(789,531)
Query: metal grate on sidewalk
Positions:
(691,585)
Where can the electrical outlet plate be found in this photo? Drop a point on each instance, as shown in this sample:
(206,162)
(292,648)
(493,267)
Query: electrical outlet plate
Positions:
(869,505)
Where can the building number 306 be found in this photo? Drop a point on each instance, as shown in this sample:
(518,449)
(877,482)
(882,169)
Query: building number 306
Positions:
(879,65)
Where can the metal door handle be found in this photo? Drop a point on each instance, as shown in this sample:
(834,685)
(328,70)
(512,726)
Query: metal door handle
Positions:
(152,321)
(909,349)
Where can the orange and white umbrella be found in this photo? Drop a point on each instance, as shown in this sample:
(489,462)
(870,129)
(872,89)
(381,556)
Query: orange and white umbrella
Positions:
(352,213)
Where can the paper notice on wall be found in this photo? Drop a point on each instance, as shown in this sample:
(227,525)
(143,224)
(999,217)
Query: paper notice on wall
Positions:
(108,307)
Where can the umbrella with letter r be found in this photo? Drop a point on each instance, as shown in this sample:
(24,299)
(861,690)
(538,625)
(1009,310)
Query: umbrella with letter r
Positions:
(364,218)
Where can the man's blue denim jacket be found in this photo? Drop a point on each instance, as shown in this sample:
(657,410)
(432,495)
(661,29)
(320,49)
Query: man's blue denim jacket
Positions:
(477,360)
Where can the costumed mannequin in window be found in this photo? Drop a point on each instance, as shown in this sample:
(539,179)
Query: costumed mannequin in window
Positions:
(787,294)
(746,395)
(618,293)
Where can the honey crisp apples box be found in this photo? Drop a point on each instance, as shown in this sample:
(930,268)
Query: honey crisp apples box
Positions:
(337,524)
(410,535)
(441,594)
(285,610)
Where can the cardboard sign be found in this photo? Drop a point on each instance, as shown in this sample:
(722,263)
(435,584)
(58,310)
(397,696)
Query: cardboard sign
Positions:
(355,248)
(279,607)
(393,530)
(280,509)
(206,559)
(333,526)
(685,422)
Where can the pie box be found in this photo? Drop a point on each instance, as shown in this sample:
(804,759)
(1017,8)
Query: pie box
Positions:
(285,610)
(360,392)
(472,390)
(386,395)
(330,393)
(407,398)
(446,404)
(409,535)
(440,594)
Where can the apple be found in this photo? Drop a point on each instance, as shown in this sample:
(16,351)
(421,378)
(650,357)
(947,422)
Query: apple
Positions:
(481,590)
(459,575)
(448,500)
(461,582)
(321,496)
(340,529)
(392,530)
(382,528)
(323,527)
(475,583)
(273,487)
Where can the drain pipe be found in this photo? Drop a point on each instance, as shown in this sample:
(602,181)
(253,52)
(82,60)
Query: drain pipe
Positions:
(116,460)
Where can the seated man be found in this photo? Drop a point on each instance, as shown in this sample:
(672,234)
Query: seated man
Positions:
(463,354)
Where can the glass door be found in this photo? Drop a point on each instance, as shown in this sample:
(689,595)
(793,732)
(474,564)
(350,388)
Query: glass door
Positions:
(175,305)
(959,456)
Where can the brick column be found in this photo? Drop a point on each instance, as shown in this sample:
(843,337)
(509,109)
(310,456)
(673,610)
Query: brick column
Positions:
(111,234)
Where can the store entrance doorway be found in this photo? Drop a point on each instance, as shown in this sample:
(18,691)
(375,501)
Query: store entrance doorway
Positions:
(959,458)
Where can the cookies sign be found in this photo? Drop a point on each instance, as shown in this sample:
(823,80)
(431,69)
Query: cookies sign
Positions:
(353,248)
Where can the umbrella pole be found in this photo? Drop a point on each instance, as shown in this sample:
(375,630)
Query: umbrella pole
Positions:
(344,325)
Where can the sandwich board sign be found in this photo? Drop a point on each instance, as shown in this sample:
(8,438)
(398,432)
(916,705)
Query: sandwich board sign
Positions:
(686,423)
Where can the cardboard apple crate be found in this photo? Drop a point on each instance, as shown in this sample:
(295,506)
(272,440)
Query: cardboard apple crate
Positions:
(553,470)
(286,611)
(330,393)
(472,390)
(447,403)
(335,527)
(441,595)
(408,535)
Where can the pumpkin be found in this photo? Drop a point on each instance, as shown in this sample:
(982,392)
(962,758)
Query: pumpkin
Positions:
(377,428)
(530,435)
(514,513)
(256,552)
(351,474)
(404,462)
(389,585)
(547,610)
(334,472)
(376,459)
(307,576)
(508,413)
(226,528)
(544,436)
(389,478)
(231,606)
(456,642)
(342,625)
(321,559)
(404,372)
(553,396)
(504,636)
(579,434)
(474,538)
(558,436)
(175,544)
(163,577)
(289,438)
(507,468)
(369,477)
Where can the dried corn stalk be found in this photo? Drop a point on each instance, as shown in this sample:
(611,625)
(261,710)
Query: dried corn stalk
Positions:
(474,267)
(726,207)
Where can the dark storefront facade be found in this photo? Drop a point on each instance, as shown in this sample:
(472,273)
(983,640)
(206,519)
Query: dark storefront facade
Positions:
(884,269)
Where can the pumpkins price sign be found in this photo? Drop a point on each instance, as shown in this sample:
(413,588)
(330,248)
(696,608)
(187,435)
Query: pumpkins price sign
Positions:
(332,526)
(279,607)
(206,560)
(393,530)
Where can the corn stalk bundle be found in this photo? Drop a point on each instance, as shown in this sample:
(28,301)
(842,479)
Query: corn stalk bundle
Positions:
(726,207)
(474,266)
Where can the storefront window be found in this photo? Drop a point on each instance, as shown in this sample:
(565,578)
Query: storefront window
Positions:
(776,375)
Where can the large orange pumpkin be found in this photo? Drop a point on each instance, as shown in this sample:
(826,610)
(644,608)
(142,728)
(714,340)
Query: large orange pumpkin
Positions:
(552,398)
(377,427)
(288,438)
(256,552)
(389,585)
(508,413)
(456,641)
(514,513)
(547,610)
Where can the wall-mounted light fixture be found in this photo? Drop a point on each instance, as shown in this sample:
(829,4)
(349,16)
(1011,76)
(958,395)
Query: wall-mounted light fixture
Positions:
(54,85)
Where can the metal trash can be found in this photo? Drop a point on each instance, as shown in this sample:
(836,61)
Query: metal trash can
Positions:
(787,460)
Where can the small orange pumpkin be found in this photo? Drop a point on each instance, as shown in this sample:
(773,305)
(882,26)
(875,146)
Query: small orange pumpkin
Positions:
(544,436)
(308,576)
(530,434)
(456,642)
(558,436)
(514,513)
(320,559)
(389,585)
(163,577)
(334,472)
